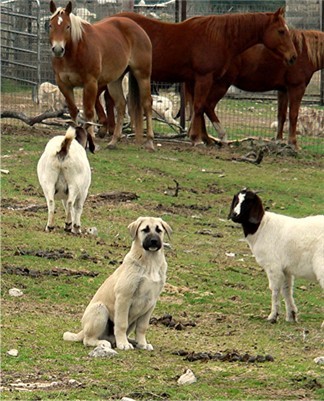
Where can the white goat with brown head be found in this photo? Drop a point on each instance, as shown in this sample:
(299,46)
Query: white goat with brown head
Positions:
(64,173)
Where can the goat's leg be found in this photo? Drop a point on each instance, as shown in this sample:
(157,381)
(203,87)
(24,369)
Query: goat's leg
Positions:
(287,292)
(275,283)
(76,216)
(68,214)
(51,209)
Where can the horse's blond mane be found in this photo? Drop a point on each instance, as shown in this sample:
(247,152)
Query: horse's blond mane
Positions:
(76,24)
(314,43)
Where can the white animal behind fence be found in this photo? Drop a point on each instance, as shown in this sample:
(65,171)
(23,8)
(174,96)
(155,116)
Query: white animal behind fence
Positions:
(49,95)
(163,109)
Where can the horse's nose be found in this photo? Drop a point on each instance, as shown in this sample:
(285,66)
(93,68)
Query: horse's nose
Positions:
(58,51)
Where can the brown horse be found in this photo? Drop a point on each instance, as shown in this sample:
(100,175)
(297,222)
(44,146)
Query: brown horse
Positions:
(197,49)
(260,70)
(94,56)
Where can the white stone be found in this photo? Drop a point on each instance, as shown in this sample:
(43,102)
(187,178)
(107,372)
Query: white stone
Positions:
(187,378)
(15,292)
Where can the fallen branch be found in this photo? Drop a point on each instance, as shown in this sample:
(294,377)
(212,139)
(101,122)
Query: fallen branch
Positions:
(32,120)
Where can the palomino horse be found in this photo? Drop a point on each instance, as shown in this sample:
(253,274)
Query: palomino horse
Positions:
(92,56)
(198,49)
(260,70)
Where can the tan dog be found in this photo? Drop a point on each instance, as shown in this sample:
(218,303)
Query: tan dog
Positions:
(125,301)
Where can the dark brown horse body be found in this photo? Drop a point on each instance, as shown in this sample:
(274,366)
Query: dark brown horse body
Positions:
(200,48)
(94,56)
(260,70)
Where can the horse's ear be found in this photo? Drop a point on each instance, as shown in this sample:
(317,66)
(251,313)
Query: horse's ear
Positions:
(52,7)
(68,8)
(280,12)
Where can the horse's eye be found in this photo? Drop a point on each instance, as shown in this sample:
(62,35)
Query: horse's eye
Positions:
(282,32)
(68,27)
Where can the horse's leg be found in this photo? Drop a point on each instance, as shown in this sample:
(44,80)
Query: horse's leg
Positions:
(135,106)
(197,129)
(146,102)
(90,90)
(68,93)
(116,92)
(281,112)
(217,92)
(295,97)
(102,117)
(109,103)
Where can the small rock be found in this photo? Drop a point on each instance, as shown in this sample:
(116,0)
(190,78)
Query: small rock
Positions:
(319,360)
(92,231)
(127,399)
(15,292)
(230,254)
(102,351)
(187,378)
(12,352)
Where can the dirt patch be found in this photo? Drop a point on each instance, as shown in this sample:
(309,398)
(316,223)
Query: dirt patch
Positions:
(228,356)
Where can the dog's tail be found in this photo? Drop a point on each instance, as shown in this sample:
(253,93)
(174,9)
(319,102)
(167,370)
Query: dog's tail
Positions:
(68,336)
(65,146)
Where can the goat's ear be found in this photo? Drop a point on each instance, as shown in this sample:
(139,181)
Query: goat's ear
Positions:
(167,228)
(52,7)
(133,227)
(256,212)
(91,143)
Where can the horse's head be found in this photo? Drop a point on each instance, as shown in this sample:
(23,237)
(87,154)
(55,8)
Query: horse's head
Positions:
(277,37)
(64,28)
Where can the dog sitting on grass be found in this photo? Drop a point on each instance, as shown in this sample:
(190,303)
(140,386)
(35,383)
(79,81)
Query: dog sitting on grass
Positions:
(125,301)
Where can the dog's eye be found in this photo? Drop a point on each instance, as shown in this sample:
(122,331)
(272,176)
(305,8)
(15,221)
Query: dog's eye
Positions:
(158,230)
(146,229)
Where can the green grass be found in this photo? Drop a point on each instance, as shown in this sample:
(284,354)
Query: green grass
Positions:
(227,297)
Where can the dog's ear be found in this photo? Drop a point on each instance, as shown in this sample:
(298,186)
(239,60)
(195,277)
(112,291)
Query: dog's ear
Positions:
(133,227)
(167,228)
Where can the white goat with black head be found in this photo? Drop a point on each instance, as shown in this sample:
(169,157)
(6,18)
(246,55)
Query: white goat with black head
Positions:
(64,173)
(284,246)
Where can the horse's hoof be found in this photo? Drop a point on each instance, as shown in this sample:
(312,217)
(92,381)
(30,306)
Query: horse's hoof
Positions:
(101,132)
(149,146)
(111,145)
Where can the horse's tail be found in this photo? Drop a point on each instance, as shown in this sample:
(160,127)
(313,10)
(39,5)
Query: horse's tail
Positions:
(135,102)
(65,146)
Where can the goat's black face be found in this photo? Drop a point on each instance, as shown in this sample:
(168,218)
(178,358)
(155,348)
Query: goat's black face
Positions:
(242,205)
(152,238)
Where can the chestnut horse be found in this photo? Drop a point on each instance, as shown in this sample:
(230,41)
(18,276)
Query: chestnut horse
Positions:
(198,49)
(94,56)
(260,70)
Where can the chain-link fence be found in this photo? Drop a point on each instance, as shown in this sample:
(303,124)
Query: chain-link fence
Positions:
(26,64)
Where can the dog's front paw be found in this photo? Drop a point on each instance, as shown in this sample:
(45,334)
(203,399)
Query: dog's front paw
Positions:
(124,346)
(148,347)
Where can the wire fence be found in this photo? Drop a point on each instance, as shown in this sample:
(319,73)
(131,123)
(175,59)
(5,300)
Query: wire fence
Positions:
(26,63)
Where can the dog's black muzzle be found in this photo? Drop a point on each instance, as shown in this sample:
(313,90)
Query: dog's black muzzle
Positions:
(152,243)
